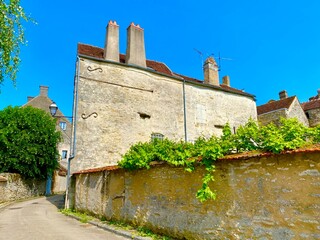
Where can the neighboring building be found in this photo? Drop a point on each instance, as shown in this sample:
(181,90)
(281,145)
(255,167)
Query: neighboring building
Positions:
(123,99)
(42,101)
(286,107)
(312,110)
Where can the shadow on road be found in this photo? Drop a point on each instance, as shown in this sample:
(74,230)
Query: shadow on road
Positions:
(57,200)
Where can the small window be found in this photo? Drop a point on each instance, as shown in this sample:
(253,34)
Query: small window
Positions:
(64,154)
(63,125)
(157,136)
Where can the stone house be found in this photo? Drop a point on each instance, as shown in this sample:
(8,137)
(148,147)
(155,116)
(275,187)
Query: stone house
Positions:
(312,110)
(120,100)
(286,107)
(42,101)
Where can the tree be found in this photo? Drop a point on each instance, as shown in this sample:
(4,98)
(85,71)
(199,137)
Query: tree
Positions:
(11,37)
(28,142)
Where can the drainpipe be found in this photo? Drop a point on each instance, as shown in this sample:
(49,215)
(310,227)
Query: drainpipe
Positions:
(184,111)
(74,127)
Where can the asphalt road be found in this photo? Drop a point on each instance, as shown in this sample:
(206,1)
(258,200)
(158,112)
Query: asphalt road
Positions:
(39,219)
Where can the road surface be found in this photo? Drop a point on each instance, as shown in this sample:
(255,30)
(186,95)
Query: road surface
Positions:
(39,219)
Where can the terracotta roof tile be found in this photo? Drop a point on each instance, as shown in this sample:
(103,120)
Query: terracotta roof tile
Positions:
(275,105)
(97,52)
(237,156)
(313,104)
(253,154)
(89,50)
(101,169)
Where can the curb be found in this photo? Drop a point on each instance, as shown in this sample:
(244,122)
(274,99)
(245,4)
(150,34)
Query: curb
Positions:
(117,231)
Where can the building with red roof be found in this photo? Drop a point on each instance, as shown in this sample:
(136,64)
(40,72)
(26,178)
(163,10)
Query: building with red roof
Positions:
(122,99)
(285,107)
(312,110)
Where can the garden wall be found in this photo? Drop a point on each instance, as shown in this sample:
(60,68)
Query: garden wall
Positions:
(13,187)
(264,197)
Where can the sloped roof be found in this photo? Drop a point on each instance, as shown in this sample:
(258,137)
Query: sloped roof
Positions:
(313,104)
(96,52)
(41,102)
(275,105)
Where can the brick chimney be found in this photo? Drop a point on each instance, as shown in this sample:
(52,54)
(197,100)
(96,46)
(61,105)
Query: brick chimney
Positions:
(44,91)
(135,54)
(111,47)
(211,74)
(283,94)
(226,81)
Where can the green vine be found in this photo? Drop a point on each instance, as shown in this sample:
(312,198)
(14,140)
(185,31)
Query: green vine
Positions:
(289,135)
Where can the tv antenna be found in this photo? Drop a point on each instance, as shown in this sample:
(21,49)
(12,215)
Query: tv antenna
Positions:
(219,58)
(200,54)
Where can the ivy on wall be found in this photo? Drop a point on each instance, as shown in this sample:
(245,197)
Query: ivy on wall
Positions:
(289,135)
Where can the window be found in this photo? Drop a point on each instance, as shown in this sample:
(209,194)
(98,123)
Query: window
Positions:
(63,125)
(157,136)
(64,154)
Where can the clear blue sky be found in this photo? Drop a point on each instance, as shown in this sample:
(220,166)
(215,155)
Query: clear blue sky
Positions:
(274,45)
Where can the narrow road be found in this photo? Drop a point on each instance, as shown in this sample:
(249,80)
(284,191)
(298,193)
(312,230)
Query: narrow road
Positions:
(39,219)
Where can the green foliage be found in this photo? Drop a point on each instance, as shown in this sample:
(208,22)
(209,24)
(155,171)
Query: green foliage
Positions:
(314,134)
(272,139)
(247,137)
(135,231)
(290,134)
(11,37)
(228,143)
(83,217)
(141,154)
(28,142)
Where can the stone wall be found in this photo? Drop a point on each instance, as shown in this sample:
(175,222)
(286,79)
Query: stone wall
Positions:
(273,116)
(275,197)
(314,117)
(59,182)
(119,105)
(13,187)
(296,111)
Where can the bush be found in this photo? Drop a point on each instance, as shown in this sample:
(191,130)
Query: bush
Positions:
(28,142)
(290,134)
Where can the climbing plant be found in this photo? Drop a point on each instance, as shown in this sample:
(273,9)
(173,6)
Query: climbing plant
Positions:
(290,134)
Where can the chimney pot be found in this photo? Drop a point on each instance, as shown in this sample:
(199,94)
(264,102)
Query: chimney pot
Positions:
(283,94)
(211,74)
(318,92)
(226,81)
(135,54)
(44,91)
(111,47)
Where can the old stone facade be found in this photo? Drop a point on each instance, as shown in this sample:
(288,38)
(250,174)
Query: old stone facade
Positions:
(123,99)
(42,101)
(312,110)
(263,197)
(286,107)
